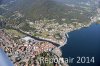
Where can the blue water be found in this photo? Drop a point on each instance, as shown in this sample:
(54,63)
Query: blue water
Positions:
(4,60)
(84,42)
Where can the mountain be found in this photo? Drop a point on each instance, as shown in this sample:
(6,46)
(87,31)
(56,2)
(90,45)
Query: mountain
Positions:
(38,9)
(71,10)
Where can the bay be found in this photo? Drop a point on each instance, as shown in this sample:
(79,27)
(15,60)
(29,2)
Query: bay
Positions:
(84,42)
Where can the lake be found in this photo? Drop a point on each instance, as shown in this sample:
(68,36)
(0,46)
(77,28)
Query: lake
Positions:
(84,43)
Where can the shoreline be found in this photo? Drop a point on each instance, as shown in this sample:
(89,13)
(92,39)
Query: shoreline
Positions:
(74,29)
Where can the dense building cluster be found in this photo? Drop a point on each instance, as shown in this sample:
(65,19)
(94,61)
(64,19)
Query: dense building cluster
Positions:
(24,49)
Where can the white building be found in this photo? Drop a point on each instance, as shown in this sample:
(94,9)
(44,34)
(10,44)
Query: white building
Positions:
(28,40)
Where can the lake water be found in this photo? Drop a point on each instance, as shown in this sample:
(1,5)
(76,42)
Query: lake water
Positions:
(84,43)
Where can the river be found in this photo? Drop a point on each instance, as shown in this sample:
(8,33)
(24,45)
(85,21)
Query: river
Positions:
(84,42)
